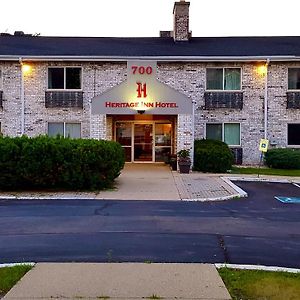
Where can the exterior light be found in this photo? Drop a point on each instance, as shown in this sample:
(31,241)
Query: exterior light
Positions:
(262,70)
(26,68)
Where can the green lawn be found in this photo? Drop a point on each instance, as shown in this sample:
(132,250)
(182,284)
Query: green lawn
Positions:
(261,285)
(265,171)
(9,276)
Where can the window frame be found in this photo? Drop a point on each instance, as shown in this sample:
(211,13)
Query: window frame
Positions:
(287,135)
(223,90)
(64,127)
(223,131)
(65,78)
(291,90)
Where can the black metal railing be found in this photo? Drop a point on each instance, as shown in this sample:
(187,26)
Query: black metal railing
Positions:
(215,100)
(293,100)
(63,99)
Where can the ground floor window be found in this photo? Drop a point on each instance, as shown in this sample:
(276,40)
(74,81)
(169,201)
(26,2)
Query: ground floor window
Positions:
(293,134)
(230,133)
(72,130)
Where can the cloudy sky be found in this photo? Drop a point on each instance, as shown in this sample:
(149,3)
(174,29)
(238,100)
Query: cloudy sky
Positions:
(146,17)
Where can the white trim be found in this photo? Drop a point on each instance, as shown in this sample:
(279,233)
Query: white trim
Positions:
(65,78)
(223,90)
(150,58)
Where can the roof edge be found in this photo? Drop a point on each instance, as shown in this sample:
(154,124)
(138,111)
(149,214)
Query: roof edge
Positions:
(151,58)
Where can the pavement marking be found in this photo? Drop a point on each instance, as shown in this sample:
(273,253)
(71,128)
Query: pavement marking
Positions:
(10,265)
(294,200)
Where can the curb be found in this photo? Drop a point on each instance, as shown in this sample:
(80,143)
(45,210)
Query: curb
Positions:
(257,179)
(239,191)
(258,268)
(44,198)
(16,264)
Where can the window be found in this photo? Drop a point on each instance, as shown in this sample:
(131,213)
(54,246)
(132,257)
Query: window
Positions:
(293,134)
(294,79)
(223,79)
(68,78)
(71,130)
(226,132)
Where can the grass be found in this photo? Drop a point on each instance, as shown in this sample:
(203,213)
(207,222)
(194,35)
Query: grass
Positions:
(261,285)
(9,276)
(265,171)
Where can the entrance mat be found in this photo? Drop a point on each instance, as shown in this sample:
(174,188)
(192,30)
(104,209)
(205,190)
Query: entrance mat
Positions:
(288,199)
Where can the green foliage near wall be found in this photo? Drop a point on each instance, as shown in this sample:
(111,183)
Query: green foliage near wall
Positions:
(212,156)
(283,158)
(44,162)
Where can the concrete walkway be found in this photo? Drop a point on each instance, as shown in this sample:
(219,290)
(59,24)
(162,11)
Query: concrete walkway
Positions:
(150,182)
(121,281)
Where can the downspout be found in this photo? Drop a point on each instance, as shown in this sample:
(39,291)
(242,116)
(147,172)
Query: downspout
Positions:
(266,101)
(22,99)
(193,133)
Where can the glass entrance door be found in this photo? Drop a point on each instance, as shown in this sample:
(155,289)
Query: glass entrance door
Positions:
(143,142)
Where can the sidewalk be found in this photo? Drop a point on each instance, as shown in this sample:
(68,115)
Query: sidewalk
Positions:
(150,182)
(120,281)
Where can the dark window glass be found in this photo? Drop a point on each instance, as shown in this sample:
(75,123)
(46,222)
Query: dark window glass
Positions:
(214,131)
(293,134)
(55,78)
(294,79)
(214,79)
(73,78)
(55,129)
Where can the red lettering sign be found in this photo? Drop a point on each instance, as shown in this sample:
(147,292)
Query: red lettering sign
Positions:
(142,70)
(141,90)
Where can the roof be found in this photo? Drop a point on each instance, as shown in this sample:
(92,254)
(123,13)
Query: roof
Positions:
(39,46)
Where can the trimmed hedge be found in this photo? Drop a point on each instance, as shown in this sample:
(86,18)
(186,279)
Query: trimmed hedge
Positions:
(45,162)
(212,156)
(283,158)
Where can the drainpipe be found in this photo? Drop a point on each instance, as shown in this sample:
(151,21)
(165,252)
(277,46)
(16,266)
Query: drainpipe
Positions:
(22,99)
(266,101)
(193,132)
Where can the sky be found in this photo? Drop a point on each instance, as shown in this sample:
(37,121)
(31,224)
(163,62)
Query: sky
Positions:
(130,18)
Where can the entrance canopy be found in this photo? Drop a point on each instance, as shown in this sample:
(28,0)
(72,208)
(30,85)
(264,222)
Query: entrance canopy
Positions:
(141,93)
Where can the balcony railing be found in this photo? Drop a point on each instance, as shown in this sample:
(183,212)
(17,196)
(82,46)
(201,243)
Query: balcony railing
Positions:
(293,100)
(63,99)
(237,155)
(215,100)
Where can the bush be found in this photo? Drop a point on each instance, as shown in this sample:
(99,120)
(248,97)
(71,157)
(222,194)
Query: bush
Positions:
(212,156)
(45,162)
(283,158)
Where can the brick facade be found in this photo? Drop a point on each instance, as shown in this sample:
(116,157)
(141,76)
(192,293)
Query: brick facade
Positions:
(187,78)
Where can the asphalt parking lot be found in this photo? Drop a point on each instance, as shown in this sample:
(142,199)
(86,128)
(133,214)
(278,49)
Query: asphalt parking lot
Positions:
(253,230)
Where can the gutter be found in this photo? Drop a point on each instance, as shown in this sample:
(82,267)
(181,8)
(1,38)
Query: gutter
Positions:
(156,58)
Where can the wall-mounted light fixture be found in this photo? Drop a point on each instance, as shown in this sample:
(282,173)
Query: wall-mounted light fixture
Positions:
(26,69)
(141,112)
(262,69)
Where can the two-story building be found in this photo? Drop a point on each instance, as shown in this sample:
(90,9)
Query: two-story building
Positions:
(154,95)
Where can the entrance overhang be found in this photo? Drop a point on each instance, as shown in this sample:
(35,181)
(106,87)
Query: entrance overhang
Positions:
(142,93)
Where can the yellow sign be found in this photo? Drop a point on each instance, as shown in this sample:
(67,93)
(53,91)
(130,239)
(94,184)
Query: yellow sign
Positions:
(263,146)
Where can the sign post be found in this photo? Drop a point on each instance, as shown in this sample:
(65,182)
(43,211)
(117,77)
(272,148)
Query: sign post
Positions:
(263,148)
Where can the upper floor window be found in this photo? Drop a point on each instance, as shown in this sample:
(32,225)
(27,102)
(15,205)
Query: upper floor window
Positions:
(64,78)
(223,79)
(225,132)
(294,78)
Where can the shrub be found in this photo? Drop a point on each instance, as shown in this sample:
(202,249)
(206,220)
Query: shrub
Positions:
(45,162)
(283,158)
(212,156)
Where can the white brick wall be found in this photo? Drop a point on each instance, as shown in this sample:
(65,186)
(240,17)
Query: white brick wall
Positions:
(187,78)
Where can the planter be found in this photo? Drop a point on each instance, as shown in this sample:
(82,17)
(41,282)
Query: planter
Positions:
(184,166)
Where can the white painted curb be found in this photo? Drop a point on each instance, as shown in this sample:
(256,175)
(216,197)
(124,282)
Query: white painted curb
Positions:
(258,268)
(17,264)
(239,191)
(258,179)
